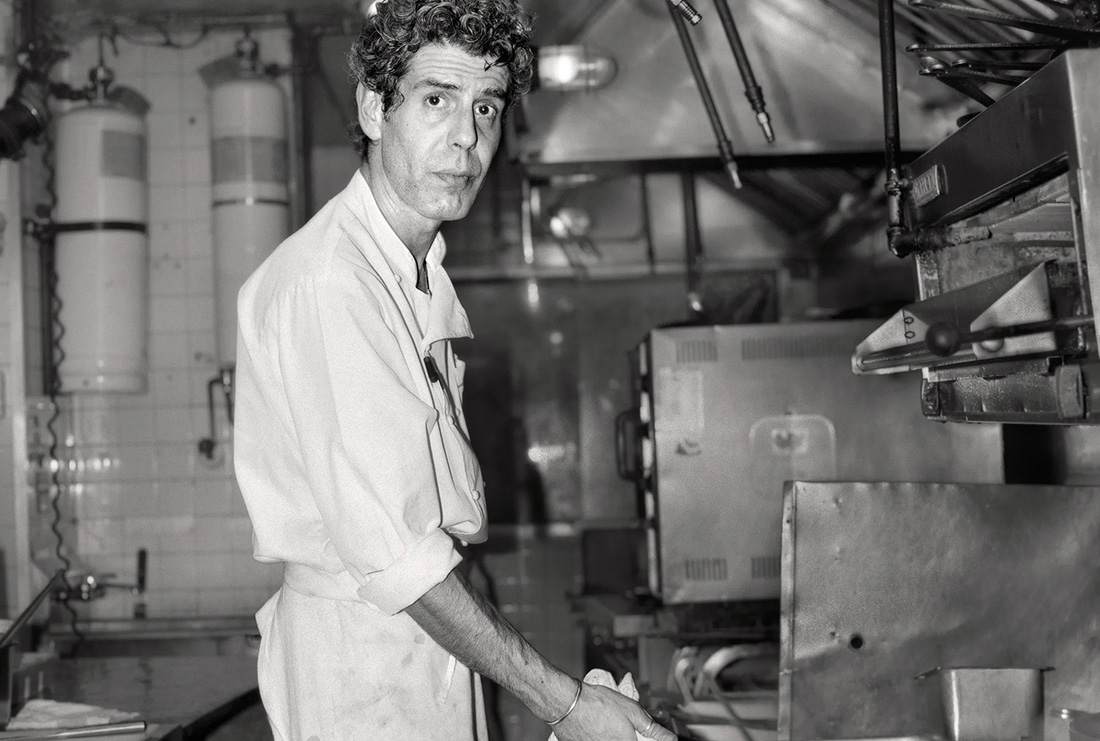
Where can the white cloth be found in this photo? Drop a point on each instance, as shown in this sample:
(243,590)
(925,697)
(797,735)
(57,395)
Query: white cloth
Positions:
(603,678)
(356,469)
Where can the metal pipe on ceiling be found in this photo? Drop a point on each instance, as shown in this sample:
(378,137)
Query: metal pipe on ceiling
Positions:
(890,117)
(725,146)
(752,89)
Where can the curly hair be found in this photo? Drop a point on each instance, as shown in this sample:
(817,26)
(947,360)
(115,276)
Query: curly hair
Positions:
(380,56)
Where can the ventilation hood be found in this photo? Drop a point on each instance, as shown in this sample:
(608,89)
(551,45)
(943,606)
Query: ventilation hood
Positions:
(817,62)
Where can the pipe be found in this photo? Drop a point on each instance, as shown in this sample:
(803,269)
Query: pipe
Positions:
(303,50)
(752,90)
(890,116)
(693,242)
(725,147)
(527,237)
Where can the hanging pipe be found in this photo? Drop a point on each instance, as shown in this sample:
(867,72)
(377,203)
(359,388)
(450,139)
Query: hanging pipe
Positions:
(693,242)
(725,147)
(894,183)
(752,90)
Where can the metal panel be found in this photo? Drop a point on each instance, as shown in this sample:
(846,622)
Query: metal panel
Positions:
(1030,129)
(885,581)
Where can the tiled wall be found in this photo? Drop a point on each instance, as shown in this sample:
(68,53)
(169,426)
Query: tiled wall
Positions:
(130,463)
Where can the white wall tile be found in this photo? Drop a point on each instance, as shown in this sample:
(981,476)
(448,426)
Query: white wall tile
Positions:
(166,168)
(164,199)
(195,95)
(200,275)
(167,276)
(200,311)
(163,63)
(200,240)
(173,603)
(175,498)
(173,424)
(203,348)
(196,131)
(165,129)
(171,388)
(168,352)
(197,199)
(171,571)
(196,169)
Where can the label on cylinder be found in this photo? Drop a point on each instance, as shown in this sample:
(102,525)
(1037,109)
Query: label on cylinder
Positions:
(250,158)
(122,155)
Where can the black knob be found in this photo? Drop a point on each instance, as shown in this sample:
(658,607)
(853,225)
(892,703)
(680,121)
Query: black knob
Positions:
(942,338)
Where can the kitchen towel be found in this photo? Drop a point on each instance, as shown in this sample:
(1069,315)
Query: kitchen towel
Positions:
(39,714)
(603,678)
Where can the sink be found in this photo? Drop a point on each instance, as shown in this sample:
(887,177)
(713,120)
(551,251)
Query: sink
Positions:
(168,636)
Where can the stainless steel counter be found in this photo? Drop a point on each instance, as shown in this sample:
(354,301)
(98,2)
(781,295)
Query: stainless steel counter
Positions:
(174,693)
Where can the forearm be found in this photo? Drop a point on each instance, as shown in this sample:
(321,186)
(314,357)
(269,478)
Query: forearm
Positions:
(460,620)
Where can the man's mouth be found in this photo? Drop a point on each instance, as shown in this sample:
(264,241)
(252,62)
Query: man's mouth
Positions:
(458,178)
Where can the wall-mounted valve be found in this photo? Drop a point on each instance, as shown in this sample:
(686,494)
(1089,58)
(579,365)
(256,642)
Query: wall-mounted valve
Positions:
(224,379)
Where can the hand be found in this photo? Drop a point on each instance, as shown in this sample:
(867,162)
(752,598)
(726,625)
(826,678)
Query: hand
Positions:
(602,714)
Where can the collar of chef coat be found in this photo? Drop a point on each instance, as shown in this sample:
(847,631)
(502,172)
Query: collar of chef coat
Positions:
(446,317)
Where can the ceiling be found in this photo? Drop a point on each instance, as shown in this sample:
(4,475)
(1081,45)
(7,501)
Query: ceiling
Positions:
(817,61)
(557,21)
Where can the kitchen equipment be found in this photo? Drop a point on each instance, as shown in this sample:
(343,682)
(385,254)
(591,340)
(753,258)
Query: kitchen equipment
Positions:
(724,415)
(992,704)
(1003,221)
(883,581)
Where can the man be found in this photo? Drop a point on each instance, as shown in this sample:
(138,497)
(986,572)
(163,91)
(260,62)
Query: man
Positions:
(351,448)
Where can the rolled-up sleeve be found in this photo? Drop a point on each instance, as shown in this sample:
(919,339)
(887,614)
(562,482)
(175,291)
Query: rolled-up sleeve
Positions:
(364,436)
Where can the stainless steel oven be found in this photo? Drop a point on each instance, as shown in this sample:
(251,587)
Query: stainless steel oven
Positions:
(724,415)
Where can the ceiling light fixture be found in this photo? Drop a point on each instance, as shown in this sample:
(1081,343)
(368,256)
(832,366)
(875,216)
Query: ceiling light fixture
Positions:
(574,67)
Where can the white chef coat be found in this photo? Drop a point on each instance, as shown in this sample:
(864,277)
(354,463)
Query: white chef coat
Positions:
(352,454)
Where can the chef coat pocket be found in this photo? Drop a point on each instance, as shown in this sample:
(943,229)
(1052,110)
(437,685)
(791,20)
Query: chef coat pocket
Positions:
(459,374)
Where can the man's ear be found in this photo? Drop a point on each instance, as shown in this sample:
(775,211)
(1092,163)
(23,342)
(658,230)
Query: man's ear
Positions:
(369,105)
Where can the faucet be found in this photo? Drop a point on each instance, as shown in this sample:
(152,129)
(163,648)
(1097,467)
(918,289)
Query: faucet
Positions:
(92,586)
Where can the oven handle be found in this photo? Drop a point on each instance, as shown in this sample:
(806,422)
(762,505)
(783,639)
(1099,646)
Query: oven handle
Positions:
(626,454)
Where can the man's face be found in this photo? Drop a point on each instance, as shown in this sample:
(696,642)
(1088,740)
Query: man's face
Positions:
(434,148)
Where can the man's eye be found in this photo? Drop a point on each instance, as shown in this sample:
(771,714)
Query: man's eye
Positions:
(434,100)
(486,110)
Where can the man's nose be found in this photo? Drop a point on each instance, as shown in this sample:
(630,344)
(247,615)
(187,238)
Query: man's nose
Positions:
(464,130)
